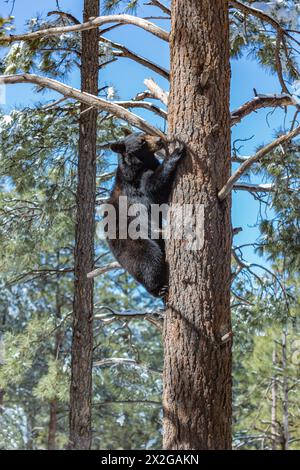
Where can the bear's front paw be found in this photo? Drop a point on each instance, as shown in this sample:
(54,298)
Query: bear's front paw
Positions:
(179,152)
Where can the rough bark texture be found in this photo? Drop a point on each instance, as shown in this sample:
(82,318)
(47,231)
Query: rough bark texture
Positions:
(197,369)
(82,347)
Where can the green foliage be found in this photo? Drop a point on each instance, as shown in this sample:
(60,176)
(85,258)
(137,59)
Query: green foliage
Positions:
(128,6)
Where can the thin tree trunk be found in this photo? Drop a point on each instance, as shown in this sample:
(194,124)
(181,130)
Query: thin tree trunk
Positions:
(285,386)
(82,346)
(274,423)
(197,366)
(52,425)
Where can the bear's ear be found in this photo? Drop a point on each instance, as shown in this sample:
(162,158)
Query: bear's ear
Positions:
(118,147)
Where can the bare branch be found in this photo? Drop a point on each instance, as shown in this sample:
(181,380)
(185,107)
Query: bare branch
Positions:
(91,24)
(254,188)
(260,101)
(117,361)
(157,91)
(155,318)
(250,161)
(143,95)
(127,402)
(160,5)
(137,58)
(63,14)
(104,269)
(143,104)
(86,98)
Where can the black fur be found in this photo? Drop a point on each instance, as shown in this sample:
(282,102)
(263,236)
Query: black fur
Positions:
(144,180)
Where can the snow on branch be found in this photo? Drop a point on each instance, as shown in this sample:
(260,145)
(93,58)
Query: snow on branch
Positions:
(248,10)
(260,101)
(84,97)
(255,158)
(254,188)
(90,24)
(126,52)
(158,92)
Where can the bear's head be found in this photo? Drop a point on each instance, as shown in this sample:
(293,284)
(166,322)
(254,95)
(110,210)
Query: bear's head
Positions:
(137,151)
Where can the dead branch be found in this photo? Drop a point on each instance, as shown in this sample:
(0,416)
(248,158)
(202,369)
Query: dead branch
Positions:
(137,58)
(160,5)
(250,161)
(158,92)
(104,269)
(117,361)
(254,188)
(260,101)
(143,104)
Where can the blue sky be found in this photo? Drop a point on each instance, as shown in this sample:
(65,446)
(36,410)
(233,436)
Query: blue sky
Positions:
(127,78)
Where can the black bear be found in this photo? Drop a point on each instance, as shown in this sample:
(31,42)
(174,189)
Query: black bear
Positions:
(145,181)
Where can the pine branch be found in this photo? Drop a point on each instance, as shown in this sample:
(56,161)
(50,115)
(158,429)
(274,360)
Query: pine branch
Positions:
(248,10)
(91,24)
(83,97)
(250,161)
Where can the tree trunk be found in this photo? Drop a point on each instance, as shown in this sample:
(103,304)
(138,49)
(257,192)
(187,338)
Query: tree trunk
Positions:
(274,423)
(197,366)
(59,336)
(52,425)
(82,346)
(285,387)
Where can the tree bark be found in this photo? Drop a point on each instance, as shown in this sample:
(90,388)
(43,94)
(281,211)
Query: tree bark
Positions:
(59,336)
(197,366)
(285,390)
(274,388)
(82,345)
(51,445)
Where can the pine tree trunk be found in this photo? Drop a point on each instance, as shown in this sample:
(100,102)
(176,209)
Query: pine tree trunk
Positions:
(52,425)
(197,366)
(285,389)
(274,389)
(82,345)
(59,336)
